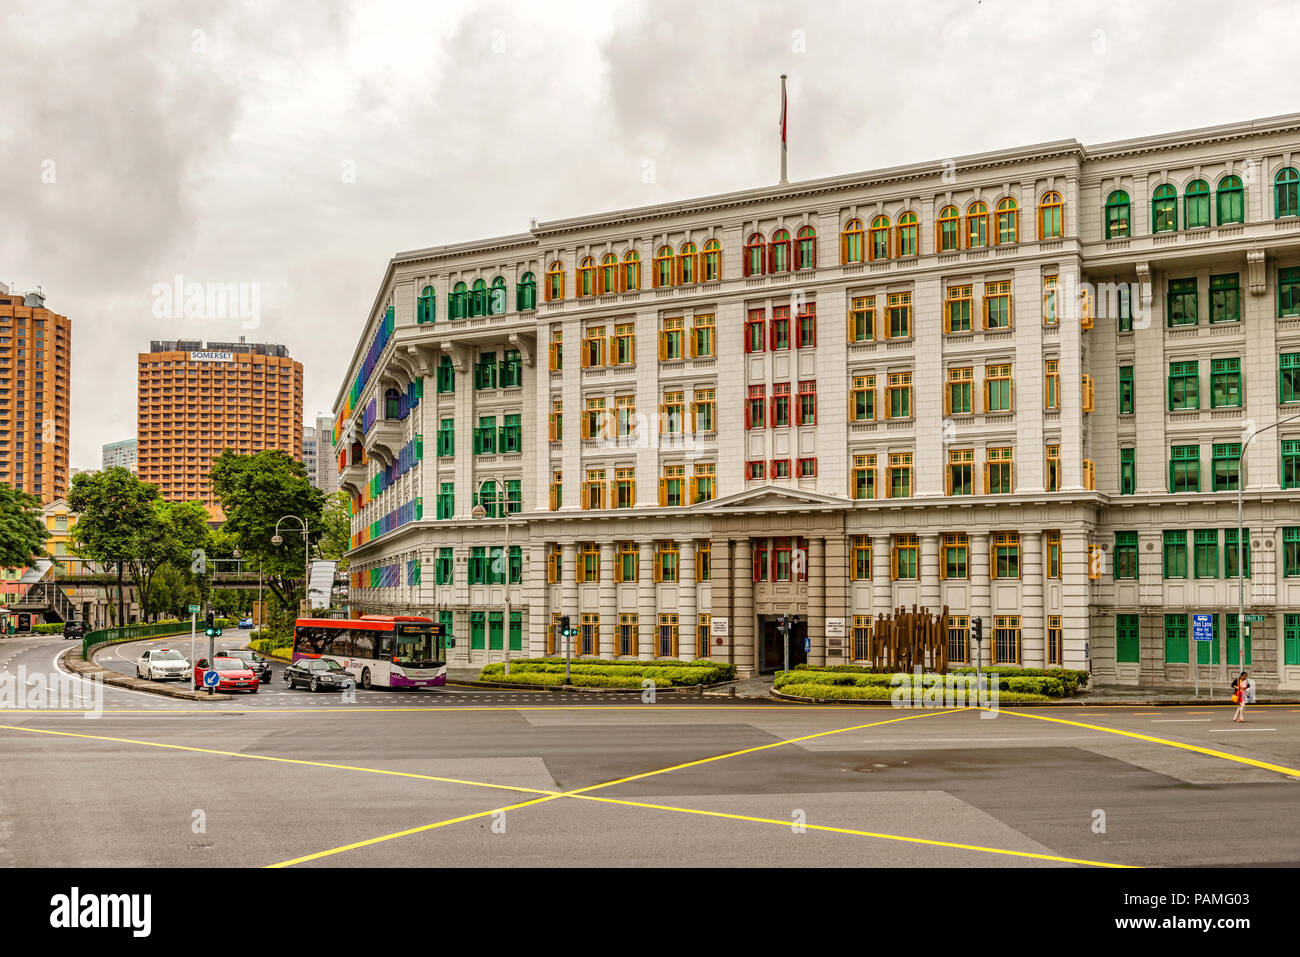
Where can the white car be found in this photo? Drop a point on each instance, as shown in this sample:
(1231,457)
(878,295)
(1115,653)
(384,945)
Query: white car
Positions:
(161,664)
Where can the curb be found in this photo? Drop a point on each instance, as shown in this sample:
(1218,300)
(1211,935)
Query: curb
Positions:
(1057,703)
(583,689)
(88,669)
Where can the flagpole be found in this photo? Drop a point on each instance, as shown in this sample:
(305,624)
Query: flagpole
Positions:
(784,180)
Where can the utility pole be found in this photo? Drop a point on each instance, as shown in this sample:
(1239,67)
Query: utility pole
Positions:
(1241,544)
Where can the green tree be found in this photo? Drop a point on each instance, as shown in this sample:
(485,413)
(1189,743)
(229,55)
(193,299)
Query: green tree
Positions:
(22,528)
(112,505)
(256,491)
(337,521)
(152,545)
(173,591)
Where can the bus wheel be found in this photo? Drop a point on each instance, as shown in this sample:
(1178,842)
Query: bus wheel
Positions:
(365,678)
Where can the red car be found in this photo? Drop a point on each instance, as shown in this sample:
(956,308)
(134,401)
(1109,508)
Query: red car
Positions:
(234,675)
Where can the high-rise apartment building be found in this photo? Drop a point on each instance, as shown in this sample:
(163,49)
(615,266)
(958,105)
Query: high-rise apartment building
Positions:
(35,358)
(120,454)
(1026,386)
(309,457)
(326,474)
(196,401)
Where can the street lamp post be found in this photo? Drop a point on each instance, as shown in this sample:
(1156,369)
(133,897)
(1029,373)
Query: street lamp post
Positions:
(1241,532)
(276,539)
(481,512)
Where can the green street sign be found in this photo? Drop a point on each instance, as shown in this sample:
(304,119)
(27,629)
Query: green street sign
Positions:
(194,609)
(1250,618)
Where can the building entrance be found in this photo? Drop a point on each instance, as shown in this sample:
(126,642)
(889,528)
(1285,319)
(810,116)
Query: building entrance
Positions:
(772,654)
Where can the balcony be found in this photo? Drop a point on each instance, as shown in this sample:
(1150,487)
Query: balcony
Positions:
(384,438)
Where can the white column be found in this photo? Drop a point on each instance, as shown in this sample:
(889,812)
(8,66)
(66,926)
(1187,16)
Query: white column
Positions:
(686,599)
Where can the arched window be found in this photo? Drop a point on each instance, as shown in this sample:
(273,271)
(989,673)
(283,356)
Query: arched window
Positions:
(851,242)
(977,225)
(807,252)
(632,270)
(1196,204)
(712,261)
(778,252)
(488,497)
(906,235)
(1230,200)
(1008,222)
(497,297)
(392,404)
(1286,193)
(479,299)
(663,267)
(754,248)
(526,292)
(459,306)
(879,238)
(1051,219)
(688,264)
(586,278)
(426,307)
(1164,209)
(1117,215)
(948,230)
(607,281)
(555,281)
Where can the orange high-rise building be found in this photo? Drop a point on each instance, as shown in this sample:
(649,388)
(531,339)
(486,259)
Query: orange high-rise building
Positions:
(35,357)
(196,401)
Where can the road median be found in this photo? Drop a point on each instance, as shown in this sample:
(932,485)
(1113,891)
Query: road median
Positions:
(89,669)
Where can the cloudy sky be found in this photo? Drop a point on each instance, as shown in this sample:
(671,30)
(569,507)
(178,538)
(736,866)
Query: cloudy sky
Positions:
(294,147)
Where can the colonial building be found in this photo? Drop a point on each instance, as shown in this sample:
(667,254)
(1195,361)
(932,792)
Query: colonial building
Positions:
(1023,385)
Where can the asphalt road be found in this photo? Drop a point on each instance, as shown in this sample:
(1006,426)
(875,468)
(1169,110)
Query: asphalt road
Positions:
(422,779)
(274,694)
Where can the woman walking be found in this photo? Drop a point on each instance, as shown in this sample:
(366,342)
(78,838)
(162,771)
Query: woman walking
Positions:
(1240,693)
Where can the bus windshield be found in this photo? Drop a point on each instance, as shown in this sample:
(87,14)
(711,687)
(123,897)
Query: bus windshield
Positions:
(417,644)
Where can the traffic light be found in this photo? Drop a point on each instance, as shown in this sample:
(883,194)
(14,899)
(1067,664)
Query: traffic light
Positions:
(565,630)
(977,629)
(212,631)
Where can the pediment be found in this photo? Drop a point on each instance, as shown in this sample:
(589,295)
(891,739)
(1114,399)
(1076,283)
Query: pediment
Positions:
(776,498)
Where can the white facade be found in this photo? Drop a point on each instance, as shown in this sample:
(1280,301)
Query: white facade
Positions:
(1039,558)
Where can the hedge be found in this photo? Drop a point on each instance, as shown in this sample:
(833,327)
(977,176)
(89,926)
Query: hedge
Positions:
(878,693)
(622,674)
(728,669)
(550,679)
(54,628)
(868,681)
(1066,675)
(628,676)
(270,648)
(1018,682)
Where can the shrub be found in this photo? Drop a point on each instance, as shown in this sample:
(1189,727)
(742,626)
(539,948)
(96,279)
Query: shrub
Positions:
(53,628)
(1051,687)
(609,674)
(878,693)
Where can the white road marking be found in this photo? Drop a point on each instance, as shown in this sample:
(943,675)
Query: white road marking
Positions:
(1176,720)
(1221,730)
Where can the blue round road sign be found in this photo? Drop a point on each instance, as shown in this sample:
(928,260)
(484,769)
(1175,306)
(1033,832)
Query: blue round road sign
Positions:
(211,679)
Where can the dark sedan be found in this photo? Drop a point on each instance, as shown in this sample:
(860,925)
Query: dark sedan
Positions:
(256,663)
(318,674)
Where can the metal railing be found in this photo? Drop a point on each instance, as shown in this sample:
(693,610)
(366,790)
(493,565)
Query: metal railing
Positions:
(46,594)
(132,632)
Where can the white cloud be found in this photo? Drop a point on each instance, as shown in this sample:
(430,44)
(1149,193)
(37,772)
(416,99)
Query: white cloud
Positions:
(464,120)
